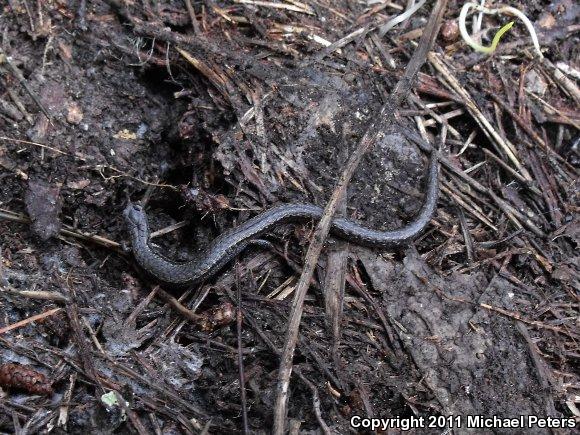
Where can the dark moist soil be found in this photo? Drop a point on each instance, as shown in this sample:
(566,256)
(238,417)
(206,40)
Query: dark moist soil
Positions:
(252,126)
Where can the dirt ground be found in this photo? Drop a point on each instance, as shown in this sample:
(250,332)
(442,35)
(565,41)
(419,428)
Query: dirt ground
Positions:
(214,113)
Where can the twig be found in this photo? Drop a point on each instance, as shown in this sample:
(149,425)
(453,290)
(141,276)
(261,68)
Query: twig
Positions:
(16,99)
(239,319)
(512,172)
(400,18)
(81,343)
(30,18)
(458,197)
(542,370)
(191,12)
(177,306)
(333,288)
(35,294)
(27,142)
(67,231)
(24,83)
(565,83)
(10,111)
(140,307)
(466,236)
(133,416)
(63,411)
(305,9)
(25,322)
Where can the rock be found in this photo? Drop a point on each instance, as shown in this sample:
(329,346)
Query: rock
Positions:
(43,205)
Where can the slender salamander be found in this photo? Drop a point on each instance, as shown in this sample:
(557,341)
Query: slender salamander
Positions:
(229,244)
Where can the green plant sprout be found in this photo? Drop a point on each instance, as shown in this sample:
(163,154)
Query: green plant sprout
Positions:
(502,10)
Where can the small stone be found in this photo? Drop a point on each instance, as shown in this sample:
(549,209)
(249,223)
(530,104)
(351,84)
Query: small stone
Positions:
(535,83)
(547,21)
(450,31)
(125,135)
(65,51)
(43,204)
(78,185)
(74,114)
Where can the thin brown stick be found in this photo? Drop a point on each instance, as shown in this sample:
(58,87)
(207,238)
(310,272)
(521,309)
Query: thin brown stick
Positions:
(178,306)
(40,145)
(8,60)
(194,22)
(35,294)
(141,306)
(81,342)
(98,240)
(239,319)
(25,322)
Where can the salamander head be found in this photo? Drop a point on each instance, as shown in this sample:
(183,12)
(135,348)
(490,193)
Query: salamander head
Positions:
(136,218)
